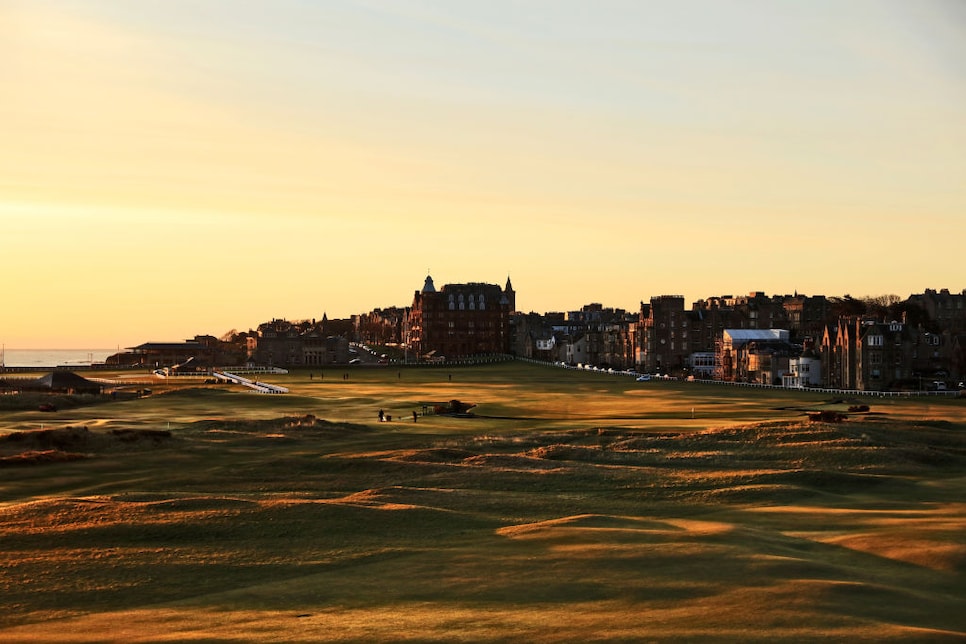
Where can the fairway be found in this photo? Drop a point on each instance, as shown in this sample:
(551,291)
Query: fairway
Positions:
(571,506)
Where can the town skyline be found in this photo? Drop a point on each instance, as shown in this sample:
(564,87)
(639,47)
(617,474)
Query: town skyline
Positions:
(318,315)
(170,169)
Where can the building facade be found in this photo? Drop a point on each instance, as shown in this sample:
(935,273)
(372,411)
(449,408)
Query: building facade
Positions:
(282,343)
(459,320)
(663,335)
(753,355)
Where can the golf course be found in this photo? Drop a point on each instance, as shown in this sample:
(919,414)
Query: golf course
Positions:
(560,505)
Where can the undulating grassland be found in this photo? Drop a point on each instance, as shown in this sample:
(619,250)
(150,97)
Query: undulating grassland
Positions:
(573,506)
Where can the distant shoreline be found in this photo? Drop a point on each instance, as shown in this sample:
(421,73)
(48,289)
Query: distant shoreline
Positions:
(33,359)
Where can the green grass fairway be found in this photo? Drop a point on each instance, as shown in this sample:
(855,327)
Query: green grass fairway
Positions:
(573,507)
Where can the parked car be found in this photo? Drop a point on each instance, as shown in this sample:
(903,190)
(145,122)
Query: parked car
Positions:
(644,377)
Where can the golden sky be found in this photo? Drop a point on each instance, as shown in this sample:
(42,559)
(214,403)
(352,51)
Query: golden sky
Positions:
(170,168)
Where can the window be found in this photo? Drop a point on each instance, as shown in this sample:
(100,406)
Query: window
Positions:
(875,340)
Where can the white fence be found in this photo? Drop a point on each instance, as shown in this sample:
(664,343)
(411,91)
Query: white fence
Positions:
(754,385)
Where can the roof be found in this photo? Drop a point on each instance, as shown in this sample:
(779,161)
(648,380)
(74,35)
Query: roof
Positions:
(741,336)
(65,380)
(168,346)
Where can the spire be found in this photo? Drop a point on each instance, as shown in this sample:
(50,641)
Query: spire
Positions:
(428,286)
(509,298)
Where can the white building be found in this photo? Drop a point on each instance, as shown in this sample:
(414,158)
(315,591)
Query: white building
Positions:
(805,371)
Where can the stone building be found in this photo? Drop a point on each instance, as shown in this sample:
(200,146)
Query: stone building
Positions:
(380,326)
(663,335)
(459,320)
(305,343)
(806,316)
(753,355)
(871,355)
(946,310)
(202,352)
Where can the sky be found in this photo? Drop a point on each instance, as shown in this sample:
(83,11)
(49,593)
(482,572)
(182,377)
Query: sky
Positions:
(171,167)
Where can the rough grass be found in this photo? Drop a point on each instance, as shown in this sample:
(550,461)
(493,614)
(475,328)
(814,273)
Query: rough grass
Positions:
(606,518)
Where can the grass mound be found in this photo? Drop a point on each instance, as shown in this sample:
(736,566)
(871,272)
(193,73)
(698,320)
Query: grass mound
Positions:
(64,444)
(307,423)
(32,401)
(40,457)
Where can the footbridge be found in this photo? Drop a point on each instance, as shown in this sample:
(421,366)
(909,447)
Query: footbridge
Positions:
(260,387)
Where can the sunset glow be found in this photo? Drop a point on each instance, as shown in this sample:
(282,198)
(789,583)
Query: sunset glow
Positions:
(175,168)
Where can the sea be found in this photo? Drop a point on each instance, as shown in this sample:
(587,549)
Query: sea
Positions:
(50,358)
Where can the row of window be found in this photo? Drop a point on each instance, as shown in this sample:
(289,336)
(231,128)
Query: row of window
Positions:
(483,324)
(471,297)
(879,341)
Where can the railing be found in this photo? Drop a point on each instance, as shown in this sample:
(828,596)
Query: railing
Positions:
(260,387)
(484,358)
(754,385)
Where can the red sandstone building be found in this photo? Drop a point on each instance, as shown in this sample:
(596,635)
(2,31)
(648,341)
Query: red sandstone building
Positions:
(459,320)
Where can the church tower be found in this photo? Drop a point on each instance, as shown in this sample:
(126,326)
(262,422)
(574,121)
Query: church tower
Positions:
(510,295)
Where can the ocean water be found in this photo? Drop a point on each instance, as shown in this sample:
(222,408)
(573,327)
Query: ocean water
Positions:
(47,358)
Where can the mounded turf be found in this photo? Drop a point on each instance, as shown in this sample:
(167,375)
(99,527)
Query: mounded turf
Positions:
(574,506)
